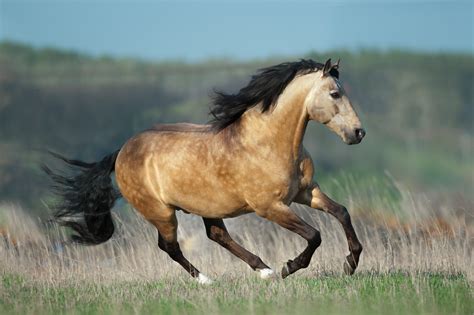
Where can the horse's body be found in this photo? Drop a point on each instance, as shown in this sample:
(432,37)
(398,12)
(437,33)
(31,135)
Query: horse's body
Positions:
(249,160)
(193,168)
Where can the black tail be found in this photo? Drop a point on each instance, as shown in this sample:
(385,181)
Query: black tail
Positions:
(86,198)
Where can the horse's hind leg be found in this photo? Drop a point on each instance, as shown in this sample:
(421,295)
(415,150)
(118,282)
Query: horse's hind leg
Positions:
(216,231)
(167,241)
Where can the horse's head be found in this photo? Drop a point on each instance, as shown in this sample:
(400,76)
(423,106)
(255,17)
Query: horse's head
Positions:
(328,104)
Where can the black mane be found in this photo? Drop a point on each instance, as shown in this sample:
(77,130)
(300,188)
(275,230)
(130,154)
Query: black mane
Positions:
(265,87)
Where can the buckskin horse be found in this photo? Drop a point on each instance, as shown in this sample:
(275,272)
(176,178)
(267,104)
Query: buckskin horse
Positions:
(249,158)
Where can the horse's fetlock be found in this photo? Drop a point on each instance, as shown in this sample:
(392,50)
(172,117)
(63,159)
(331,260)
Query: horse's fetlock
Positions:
(357,249)
(256,263)
(304,263)
(315,239)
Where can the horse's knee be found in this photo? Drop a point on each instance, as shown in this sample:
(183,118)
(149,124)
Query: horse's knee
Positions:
(342,214)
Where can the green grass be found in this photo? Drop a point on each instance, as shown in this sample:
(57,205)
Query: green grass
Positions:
(394,293)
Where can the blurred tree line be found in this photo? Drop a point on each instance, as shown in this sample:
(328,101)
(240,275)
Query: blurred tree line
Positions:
(417,109)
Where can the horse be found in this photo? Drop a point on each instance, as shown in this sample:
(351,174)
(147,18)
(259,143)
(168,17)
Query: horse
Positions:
(248,158)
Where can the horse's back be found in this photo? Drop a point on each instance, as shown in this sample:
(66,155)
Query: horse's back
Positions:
(181,127)
(161,138)
(168,144)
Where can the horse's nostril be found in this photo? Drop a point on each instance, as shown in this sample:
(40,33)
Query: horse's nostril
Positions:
(360,133)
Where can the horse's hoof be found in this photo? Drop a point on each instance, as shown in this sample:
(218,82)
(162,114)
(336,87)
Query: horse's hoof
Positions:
(348,270)
(267,273)
(285,271)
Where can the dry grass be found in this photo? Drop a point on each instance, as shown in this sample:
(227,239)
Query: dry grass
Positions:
(411,236)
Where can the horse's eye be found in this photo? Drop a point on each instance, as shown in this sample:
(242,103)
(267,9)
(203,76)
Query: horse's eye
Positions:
(335,94)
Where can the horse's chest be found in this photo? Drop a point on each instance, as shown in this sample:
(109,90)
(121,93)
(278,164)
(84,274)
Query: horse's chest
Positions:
(290,190)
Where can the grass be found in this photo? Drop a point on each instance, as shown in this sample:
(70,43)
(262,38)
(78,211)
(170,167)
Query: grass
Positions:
(418,257)
(366,293)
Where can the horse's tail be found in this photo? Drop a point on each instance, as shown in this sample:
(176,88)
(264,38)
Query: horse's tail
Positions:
(86,198)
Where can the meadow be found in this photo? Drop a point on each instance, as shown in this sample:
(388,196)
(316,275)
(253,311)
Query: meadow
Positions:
(418,259)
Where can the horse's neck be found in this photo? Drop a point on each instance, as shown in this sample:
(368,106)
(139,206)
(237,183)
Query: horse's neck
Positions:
(281,129)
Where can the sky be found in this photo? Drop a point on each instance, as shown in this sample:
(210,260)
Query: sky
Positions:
(197,30)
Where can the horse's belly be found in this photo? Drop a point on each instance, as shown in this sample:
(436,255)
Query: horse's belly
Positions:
(217,213)
(204,199)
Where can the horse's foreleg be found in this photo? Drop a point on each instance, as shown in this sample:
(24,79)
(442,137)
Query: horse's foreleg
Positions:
(167,241)
(316,199)
(216,231)
(285,217)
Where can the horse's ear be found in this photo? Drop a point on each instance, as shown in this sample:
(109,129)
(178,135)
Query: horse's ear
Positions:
(327,67)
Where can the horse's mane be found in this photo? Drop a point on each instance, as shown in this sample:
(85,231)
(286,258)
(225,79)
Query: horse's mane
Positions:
(264,87)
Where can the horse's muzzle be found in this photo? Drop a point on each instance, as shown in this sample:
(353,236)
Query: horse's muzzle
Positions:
(356,136)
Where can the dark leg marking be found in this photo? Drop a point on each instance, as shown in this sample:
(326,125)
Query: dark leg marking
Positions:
(286,218)
(216,231)
(355,247)
(322,202)
(173,250)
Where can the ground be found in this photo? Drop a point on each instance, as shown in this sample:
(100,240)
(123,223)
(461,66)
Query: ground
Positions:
(391,293)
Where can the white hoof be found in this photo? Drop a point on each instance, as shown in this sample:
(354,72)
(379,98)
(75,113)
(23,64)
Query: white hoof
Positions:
(202,279)
(267,273)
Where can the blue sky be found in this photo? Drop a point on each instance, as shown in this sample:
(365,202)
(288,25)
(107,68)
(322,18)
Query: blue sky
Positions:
(196,30)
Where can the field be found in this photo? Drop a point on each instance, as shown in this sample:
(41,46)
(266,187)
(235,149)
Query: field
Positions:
(366,293)
(418,259)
